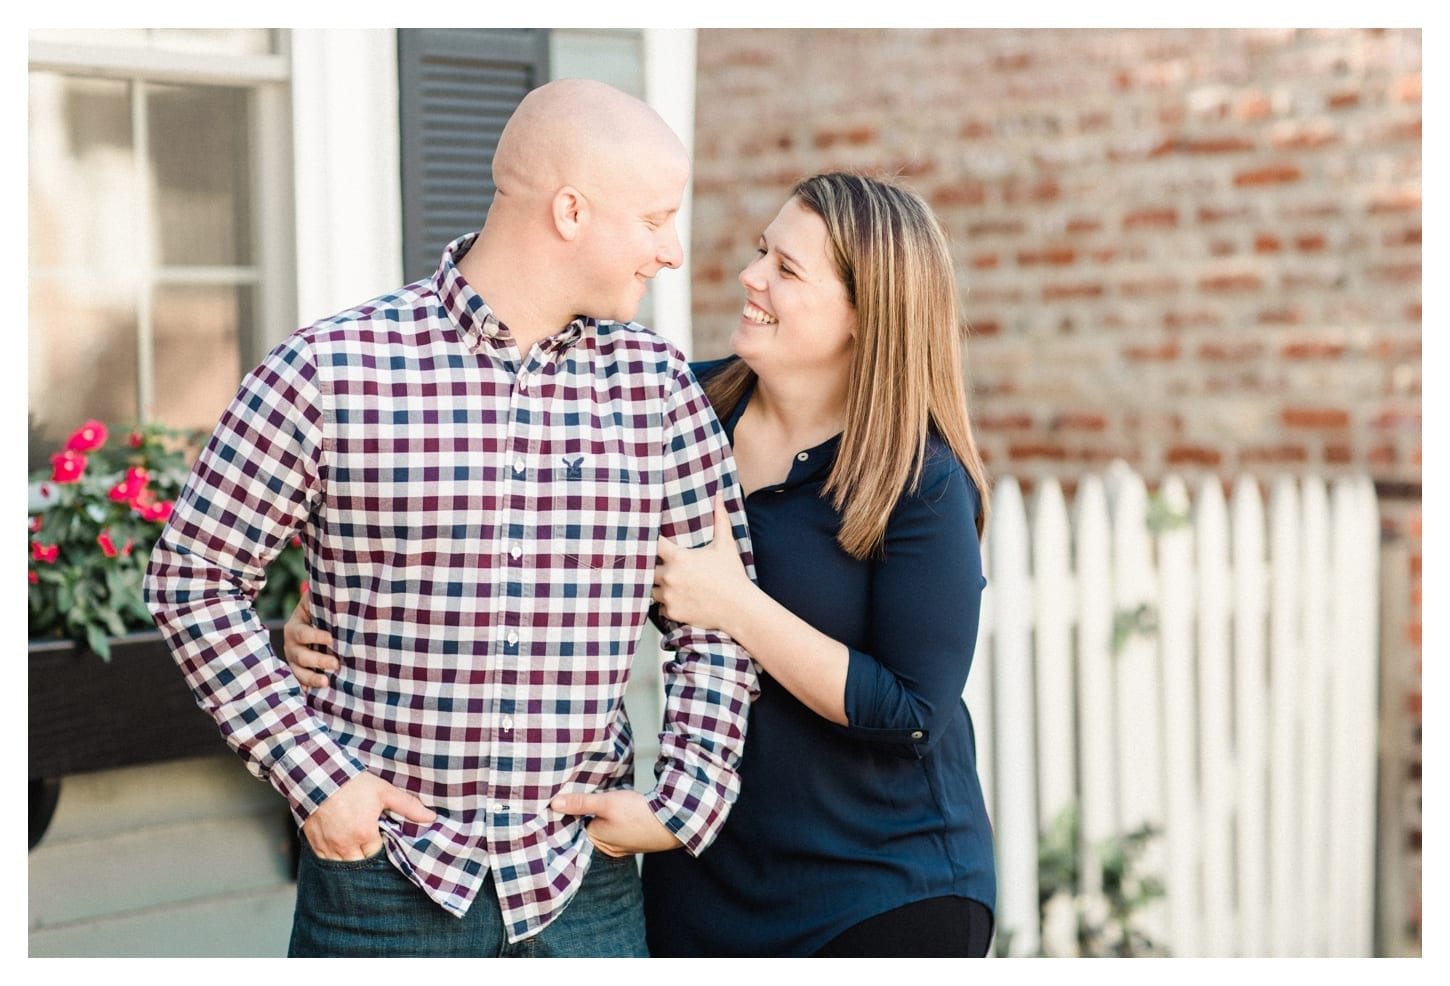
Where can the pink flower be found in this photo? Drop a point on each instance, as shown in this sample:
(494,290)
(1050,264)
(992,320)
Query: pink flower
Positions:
(47,553)
(35,523)
(34,577)
(158,512)
(88,437)
(67,466)
(108,547)
(129,490)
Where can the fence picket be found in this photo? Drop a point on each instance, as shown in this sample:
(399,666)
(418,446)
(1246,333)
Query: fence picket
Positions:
(1250,583)
(1316,612)
(1139,695)
(1055,611)
(1352,711)
(1216,717)
(1180,727)
(1097,785)
(1286,683)
(1017,829)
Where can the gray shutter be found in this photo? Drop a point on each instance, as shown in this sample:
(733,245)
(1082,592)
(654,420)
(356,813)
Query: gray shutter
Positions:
(456,89)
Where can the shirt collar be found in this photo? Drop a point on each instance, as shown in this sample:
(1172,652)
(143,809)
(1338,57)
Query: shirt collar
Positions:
(475,321)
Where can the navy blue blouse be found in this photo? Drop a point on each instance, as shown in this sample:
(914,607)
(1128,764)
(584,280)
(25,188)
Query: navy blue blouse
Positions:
(836,824)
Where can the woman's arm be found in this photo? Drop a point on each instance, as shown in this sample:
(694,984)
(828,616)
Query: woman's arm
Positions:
(925,598)
(709,587)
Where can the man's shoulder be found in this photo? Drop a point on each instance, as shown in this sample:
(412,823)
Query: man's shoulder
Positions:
(632,340)
(384,315)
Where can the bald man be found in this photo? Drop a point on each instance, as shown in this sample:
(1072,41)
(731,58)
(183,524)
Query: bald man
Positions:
(479,465)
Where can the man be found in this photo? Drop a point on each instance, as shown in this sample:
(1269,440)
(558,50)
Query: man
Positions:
(479,474)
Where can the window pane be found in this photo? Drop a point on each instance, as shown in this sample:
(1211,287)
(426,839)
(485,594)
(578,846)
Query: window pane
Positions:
(84,257)
(232,41)
(200,183)
(198,356)
(83,201)
(82,353)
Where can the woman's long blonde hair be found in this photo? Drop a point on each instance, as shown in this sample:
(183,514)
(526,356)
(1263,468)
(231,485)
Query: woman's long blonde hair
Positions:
(906,366)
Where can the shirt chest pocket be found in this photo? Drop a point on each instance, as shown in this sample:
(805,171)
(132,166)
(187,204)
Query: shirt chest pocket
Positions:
(600,514)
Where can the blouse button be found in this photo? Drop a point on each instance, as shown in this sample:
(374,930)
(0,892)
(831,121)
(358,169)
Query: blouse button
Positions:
(803,456)
(916,734)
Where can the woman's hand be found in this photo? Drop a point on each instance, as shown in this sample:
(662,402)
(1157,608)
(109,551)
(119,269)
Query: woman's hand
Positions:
(702,586)
(299,636)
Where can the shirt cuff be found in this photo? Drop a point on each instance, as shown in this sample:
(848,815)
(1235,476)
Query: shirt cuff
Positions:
(692,810)
(310,772)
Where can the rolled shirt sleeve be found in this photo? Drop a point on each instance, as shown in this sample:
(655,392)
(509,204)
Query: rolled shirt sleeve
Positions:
(925,608)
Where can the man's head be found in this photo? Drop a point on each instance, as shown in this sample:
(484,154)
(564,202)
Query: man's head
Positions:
(589,183)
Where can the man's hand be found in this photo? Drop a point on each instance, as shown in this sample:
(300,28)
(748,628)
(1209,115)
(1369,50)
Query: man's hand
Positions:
(299,637)
(623,823)
(345,826)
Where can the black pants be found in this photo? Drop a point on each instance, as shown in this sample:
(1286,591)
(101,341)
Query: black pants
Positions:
(942,927)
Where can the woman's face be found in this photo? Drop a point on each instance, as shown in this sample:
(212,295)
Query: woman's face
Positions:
(797,315)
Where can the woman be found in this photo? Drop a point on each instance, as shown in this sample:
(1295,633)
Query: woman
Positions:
(860,828)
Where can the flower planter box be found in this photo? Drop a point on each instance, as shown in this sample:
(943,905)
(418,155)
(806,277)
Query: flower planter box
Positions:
(87,714)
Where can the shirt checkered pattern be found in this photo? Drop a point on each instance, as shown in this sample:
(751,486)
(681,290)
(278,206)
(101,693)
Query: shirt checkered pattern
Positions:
(480,528)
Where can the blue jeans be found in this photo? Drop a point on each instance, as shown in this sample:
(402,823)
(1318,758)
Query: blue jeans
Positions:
(367,908)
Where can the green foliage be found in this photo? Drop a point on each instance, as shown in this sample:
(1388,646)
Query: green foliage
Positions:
(93,520)
(1102,920)
(1162,517)
(1130,622)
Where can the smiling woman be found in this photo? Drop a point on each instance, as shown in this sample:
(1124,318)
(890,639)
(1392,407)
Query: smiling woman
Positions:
(860,828)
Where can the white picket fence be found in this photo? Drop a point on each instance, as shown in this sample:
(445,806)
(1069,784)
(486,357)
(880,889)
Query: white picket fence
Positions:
(1239,719)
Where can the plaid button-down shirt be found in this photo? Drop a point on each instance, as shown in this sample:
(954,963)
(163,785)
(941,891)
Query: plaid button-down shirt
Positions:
(480,527)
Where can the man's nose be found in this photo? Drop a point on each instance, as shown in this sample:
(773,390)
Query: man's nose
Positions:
(672,253)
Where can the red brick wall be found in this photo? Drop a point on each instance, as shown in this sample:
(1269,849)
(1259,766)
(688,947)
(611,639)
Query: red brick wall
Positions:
(1198,251)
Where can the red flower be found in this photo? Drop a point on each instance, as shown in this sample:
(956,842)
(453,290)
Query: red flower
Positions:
(136,440)
(35,523)
(108,547)
(67,466)
(34,577)
(129,490)
(159,512)
(47,553)
(88,437)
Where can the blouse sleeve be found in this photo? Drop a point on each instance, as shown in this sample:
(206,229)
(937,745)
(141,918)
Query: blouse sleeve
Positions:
(926,596)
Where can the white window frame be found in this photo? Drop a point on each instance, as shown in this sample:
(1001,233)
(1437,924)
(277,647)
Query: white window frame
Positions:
(271,272)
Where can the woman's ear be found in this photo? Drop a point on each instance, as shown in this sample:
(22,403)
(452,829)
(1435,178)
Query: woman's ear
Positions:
(570,209)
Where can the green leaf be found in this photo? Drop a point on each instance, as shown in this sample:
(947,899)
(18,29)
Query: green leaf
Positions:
(97,641)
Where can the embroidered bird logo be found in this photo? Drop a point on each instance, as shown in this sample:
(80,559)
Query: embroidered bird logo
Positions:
(574,468)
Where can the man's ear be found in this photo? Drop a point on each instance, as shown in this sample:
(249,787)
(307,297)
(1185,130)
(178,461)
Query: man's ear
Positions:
(570,209)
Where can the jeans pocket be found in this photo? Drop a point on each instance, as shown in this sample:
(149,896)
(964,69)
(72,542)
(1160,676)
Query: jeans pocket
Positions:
(374,861)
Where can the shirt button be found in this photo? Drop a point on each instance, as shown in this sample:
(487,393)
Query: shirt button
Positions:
(507,724)
(516,552)
(803,456)
(519,467)
(512,638)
